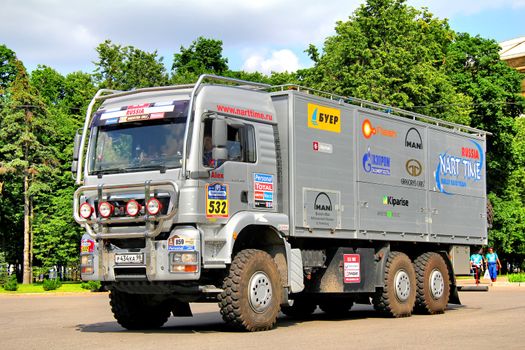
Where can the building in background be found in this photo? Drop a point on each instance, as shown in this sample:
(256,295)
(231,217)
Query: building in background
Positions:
(513,52)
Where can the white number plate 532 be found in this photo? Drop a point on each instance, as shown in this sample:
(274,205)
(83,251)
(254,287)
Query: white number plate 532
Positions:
(129,258)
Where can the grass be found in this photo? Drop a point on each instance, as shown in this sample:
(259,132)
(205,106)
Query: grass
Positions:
(67,287)
(516,277)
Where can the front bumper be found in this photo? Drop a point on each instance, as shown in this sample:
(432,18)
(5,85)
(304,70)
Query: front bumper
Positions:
(159,260)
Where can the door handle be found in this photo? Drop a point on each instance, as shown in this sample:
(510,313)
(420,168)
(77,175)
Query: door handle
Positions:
(244,197)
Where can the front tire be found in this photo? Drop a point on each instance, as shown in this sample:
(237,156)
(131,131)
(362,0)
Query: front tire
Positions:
(252,292)
(398,296)
(135,312)
(433,288)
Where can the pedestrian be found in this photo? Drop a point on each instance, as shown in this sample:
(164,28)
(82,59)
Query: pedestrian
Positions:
(493,264)
(476,265)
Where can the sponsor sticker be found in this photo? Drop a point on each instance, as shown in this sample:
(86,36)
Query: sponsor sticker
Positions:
(376,164)
(352,268)
(322,147)
(216,200)
(87,246)
(413,139)
(324,118)
(461,170)
(181,243)
(263,190)
(370,130)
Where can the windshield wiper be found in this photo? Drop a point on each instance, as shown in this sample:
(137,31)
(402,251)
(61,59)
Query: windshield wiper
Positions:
(109,171)
(160,167)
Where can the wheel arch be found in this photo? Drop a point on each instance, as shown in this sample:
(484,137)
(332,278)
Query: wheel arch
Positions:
(266,238)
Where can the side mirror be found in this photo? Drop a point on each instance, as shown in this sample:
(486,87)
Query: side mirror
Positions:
(76,146)
(219,141)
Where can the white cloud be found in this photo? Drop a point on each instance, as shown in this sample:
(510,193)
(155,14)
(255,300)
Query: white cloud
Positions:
(278,61)
(64,33)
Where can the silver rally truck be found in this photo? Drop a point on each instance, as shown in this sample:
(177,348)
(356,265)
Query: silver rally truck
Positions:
(270,199)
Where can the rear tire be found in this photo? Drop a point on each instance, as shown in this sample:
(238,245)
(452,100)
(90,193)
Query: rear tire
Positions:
(397,299)
(252,292)
(433,287)
(300,309)
(134,312)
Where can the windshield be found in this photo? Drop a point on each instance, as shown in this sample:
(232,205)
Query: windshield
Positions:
(137,146)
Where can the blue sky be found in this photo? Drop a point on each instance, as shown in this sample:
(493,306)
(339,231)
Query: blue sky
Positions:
(257,35)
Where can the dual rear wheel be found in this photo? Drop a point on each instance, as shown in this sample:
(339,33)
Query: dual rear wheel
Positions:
(422,285)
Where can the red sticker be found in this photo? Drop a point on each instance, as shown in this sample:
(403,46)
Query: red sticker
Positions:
(352,268)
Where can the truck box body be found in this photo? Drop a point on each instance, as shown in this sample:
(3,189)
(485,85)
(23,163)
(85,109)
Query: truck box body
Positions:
(273,198)
(357,173)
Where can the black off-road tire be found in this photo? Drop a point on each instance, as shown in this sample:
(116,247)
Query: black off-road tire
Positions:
(397,300)
(255,268)
(433,283)
(300,309)
(337,307)
(133,312)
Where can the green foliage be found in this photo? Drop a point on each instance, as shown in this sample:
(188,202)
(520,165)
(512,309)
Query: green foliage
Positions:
(516,277)
(11,284)
(3,269)
(51,284)
(202,56)
(390,53)
(126,67)
(93,286)
(7,67)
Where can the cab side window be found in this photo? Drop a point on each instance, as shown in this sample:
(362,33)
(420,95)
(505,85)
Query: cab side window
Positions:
(240,144)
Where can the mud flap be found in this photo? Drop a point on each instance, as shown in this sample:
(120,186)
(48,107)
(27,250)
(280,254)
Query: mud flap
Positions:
(180,309)
(454,296)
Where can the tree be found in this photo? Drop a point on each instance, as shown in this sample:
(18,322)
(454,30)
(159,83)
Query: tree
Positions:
(202,56)
(56,235)
(126,67)
(7,67)
(390,53)
(24,151)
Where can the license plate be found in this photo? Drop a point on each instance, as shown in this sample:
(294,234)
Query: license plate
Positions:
(129,258)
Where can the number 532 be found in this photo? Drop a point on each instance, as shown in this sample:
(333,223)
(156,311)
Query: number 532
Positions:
(217,208)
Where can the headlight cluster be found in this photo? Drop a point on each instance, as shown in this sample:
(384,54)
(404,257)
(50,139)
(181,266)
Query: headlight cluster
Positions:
(133,208)
(184,262)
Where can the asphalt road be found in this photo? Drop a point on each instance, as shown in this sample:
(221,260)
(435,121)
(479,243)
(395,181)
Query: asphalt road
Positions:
(491,319)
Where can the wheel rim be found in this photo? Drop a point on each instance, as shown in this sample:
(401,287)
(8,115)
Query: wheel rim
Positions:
(402,285)
(260,292)
(437,284)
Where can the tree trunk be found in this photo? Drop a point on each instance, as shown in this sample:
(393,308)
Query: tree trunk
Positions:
(27,229)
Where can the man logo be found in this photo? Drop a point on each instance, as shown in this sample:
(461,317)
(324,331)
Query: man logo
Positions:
(322,202)
(413,139)
(413,167)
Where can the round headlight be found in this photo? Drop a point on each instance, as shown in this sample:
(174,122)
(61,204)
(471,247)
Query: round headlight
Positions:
(105,209)
(133,207)
(86,210)
(153,206)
